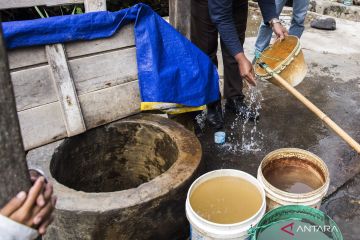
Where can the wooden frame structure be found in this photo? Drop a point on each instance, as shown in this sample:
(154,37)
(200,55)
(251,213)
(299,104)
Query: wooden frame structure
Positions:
(63,89)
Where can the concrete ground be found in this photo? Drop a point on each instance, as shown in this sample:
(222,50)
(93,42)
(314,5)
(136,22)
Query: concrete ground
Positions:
(333,84)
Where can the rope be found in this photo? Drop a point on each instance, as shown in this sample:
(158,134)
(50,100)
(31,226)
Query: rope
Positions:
(273,58)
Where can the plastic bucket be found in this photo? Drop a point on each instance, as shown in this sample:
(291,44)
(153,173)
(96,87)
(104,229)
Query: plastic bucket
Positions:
(276,197)
(296,222)
(206,230)
(284,58)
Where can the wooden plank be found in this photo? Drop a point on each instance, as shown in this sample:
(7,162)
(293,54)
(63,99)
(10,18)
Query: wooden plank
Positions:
(122,39)
(179,14)
(98,107)
(95,5)
(103,70)
(25,57)
(110,104)
(42,125)
(33,87)
(7,4)
(66,91)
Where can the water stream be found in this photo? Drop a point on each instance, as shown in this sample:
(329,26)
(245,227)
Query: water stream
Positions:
(241,135)
(244,135)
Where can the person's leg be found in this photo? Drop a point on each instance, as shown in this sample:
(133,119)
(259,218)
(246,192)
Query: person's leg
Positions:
(300,8)
(233,83)
(205,36)
(265,32)
(263,38)
(203,32)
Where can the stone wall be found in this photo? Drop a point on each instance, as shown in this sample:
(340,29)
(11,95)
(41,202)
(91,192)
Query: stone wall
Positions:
(335,9)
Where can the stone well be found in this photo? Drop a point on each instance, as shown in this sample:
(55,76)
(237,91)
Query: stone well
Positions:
(125,180)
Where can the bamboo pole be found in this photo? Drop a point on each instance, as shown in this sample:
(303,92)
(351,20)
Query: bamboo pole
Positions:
(346,137)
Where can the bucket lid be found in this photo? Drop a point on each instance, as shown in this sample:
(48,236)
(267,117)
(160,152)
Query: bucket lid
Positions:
(296,222)
(278,55)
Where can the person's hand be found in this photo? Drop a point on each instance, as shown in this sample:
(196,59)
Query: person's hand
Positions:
(45,201)
(44,197)
(24,209)
(280,31)
(246,69)
(44,217)
(21,208)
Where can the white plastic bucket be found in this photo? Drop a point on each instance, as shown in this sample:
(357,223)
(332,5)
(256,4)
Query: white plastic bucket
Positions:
(202,229)
(276,197)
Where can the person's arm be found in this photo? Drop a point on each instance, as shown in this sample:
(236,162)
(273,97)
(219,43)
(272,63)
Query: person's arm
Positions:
(12,230)
(268,11)
(221,13)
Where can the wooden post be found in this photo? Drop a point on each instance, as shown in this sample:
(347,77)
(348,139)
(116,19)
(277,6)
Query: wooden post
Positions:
(95,5)
(179,14)
(64,82)
(65,88)
(14,176)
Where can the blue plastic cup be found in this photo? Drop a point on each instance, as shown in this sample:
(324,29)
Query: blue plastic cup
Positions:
(219,137)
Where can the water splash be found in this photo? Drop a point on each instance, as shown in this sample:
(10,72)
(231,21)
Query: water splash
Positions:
(201,119)
(249,138)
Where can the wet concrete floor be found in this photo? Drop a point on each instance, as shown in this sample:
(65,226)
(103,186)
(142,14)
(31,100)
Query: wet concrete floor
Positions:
(333,84)
(285,122)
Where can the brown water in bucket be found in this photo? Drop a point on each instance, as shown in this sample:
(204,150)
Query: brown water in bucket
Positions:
(286,59)
(277,53)
(226,200)
(293,175)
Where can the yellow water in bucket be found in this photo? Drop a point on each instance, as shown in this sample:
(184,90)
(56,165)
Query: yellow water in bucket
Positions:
(226,200)
(284,58)
(224,204)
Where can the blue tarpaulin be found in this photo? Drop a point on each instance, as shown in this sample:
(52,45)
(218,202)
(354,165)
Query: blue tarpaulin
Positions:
(170,68)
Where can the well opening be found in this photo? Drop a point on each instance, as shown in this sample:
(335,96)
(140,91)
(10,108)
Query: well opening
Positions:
(116,157)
